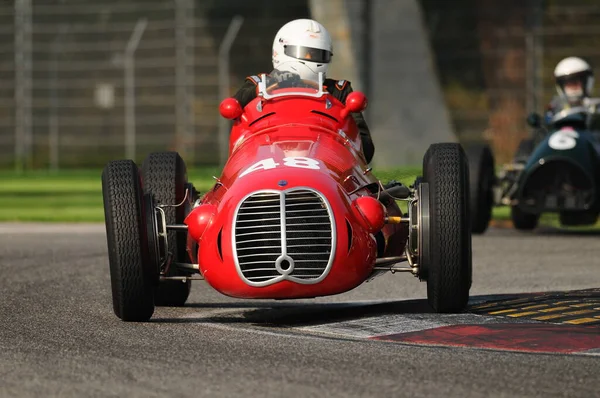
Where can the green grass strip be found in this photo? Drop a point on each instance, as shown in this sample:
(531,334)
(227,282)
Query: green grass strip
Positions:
(76,195)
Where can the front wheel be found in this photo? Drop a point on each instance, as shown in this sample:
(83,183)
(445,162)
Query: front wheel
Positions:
(131,275)
(446,255)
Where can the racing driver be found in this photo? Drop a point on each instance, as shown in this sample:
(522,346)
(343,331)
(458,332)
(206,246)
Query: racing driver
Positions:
(574,83)
(301,49)
(574,80)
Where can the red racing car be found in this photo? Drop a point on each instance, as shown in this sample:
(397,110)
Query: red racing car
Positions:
(296,213)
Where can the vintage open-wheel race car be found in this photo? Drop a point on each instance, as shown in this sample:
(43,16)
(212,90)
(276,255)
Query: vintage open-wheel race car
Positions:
(555,171)
(295,213)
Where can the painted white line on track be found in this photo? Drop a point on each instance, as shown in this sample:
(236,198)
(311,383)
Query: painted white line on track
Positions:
(374,326)
(594,352)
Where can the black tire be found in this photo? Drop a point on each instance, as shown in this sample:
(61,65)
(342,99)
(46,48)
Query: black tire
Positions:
(131,276)
(449,272)
(577,218)
(522,220)
(165,177)
(482,178)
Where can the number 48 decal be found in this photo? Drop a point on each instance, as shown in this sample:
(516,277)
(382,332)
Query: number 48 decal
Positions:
(269,163)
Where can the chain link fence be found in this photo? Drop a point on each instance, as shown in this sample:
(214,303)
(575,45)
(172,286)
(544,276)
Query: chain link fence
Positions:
(83,82)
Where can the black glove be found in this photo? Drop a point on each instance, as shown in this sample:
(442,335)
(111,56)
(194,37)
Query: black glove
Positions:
(281,76)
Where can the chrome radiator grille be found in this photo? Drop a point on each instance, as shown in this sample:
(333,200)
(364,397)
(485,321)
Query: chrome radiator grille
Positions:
(283,235)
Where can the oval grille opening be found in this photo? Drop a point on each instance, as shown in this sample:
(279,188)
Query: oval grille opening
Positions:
(297,224)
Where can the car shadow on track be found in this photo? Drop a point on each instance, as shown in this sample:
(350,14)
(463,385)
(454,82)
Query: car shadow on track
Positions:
(278,314)
(317,314)
(514,307)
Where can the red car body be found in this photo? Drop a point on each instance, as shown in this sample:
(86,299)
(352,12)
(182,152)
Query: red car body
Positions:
(299,154)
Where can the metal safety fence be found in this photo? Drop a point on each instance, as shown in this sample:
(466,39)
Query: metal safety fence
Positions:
(83,82)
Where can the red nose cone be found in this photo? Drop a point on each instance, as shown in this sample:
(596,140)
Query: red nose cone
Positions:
(199,219)
(230,108)
(370,213)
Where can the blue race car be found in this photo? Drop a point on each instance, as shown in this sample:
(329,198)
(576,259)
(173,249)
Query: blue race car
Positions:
(557,171)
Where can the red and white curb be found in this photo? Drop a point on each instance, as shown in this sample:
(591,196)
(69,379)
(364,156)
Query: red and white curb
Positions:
(469,330)
(410,322)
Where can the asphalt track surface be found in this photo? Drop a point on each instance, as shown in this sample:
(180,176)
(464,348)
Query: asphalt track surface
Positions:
(59,337)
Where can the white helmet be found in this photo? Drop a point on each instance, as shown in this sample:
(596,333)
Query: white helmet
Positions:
(302,46)
(573,70)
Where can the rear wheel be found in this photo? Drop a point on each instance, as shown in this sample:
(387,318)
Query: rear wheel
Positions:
(481,185)
(577,218)
(165,178)
(130,271)
(522,220)
(447,256)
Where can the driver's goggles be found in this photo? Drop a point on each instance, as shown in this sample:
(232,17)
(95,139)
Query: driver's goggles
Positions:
(308,54)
